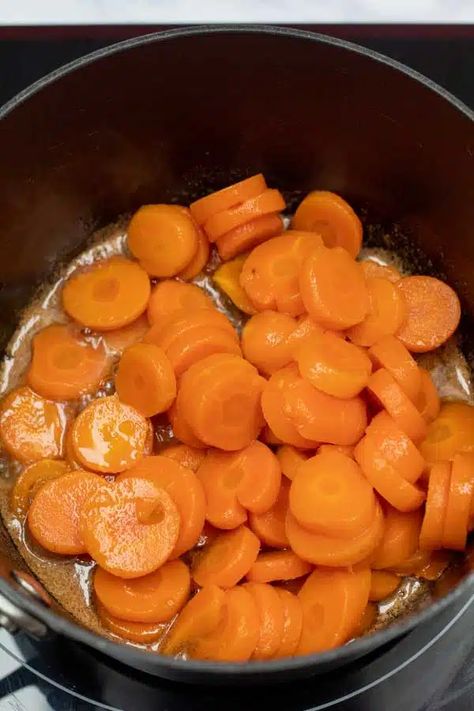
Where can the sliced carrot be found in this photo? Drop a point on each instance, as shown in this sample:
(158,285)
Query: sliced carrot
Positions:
(109,295)
(227,559)
(451,432)
(367,620)
(223,508)
(400,538)
(264,340)
(31,428)
(145,379)
(387,312)
(155,597)
(291,459)
(391,354)
(371,269)
(31,480)
(54,514)
(164,238)
(268,436)
(271,619)
(130,528)
(139,632)
(332,217)
(456,518)
(393,445)
(63,367)
(200,258)
(170,296)
(388,393)
(346,449)
(382,585)
(206,207)
(278,565)
(439,561)
(267,202)
(181,429)
(270,526)
(249,235)
(334,366)
(433,313)
(197,343)
(185,455)
(170,331)
(69,452)
(428,402)
(305,329)
(270,275)
(121,338)
(431,534)
(413,564)
(227,278)
(292,623)
(333,604)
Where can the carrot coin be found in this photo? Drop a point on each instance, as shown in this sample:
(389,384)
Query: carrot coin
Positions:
(139,632)
(227,278)
(428,402)
(367,620)
(227,559)
(371,268)
(170,296)
(31,480)
(197,343)
(220,483)
(456,518)
(292,624)
(271,618)
(270,526)
(249,235)
(235,194)
(200,617)
(267,202)
(267,436)
(199,260)
(145,379)
(400,538)
(382,585)
(305,330)
(390,395)
(291,459)
(182,430)
(171,331)
(185,455)
(451,432)
(278,565)
(393,445)
(413,564)
(121,338)
(265,340)
(391,354)
(387,313)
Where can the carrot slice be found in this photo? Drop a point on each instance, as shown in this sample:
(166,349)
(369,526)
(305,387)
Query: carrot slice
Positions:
(333,289)
(264,340)
(391,354)
(185,455)
(121,338)
(400,538)
(371,269)
(456,518)
(139,632)
(291,459)
(223,508)
(155,597)
(433,313)
(109,295)
(382,585)
(393,445)
(278,565)
(334,366)
(346,449)
(428,402)
(271,619)
(267,202)
(207,206)
(31,480)
(31,428)
(270,526)
(413,564)
(305,330)
(170,296)
(171,331)
(451,432)
(332,217)
(333,604)
(130,528)
(200,258)
(439,561)
(145,379)
(227,559)
(199,342)
(54,514)
(367,620)
(387,312)
(390,395)
(227,278)
(249,235)
(292,623)
(181,429)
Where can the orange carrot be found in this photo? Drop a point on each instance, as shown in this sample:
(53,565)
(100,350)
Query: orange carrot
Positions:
(145,379)
(270,526)
(291,459)
(451,432)
(264,340)
(227,278)
(170,332)
(413,564)
(388,393)
(223,508)
(121,338)
(391,354)
(292,623)
(371,268)
(182,430)
(235,194)
(267,202)
(249,235)
(267,436)
(227,559)
(393,445)
(428,402)
(278,565)
(456,517)
(439,561)
(170,296)
(387,313)
(382,584)
(139,632)
(271,618)
(400,538)
(431,534)
(367,620)
(197,343)
(346,449)
(200,258)
(31,480)
(305,329)
(185,455)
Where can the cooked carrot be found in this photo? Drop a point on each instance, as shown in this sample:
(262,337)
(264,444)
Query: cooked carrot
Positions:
(291,459)
(145,379)
(400,538)
(31,480)
(388,393)
(165,334)
(413,564)
(249,235)
(451,432)
(333,604)
(69,452)
(431,534)
(121,338)
(367,620)
(332,217)
(333,289)
(439,561)
(108,295)
(433,313)
(391,354)
(428,402)
(31,428)
(268,436)
(54,514)
(333,365)
(371,268)
(387,312)
(292,623)
(267,202)
(155,597)
(182,430)
(393,445)
(227,559)
(264,340)
(223,508)
(306,328)
(278,565)
(271,619)
(130,528)
(227,278)
(139,632)
(382,584)
(109,436)
(170,296)
(270,526)
(346,449)
(164,238)
(270,275)
(197,343)
(235,194)
(185,455)
(185,490)
(200,258)
(456,518)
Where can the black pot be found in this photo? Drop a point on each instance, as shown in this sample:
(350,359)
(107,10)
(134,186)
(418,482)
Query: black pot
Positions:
(180,112)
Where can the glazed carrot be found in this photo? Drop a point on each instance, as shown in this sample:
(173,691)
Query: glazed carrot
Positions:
(185,490)
(155,597)
(439,561)
(164,238)
(140,632)
(69,452)
(264,340)
(333,289)
(227,278)
(332,217)
(121,338)
(268,436)
(331,551)
(206,207)
(331,496)
(371,268)
(433,313)
(292,623)
(431,534)
(270,526)
(346,449)
(428,402)
(333,604)
(249,235)
(333,365)
(413,564)
(63,367)
(267,202)
(270,275)
(456,517)
(182,430)
(31,480)
(388,393)
(145,379)
(197,343)
(400,538)
(171,331)
(223,508)
(367,620)
(391,354)
(130,528)
(387,312)
(200,258)
(31,428)
(393,445)
(271,619)
(109,436)
(305,329)
(278,565)
(227,559)
(185,455)
(382,584)
(109,295)
(291,459)
(54,513)
(451,432)
(170,296)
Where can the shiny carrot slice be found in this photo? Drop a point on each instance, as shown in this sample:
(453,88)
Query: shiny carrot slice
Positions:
(291,459)
(439,561)
(346,449)
(305,330)
(170,296)
(267,202)
(139,632)
(387,313)
(223,508)
(428,402)
(393,445)
(31,480)
(249,235)
(413,564)
(388,393)
(207,206)
(278,565)
(367,620)
(197,343)
(400,538)
(166,333)
(382,585)
(271,619)
(227,278)
(451,432)
(227,559)
(200,258)
(145,379)
(372,269)
(456,518)
(120,338)
(185,455)
(109,295)
(292,623)
(391,354)
(267,436)
(54,513)
(200,617)
(332,217)
(270,526)
(155,597)
(265,340)
(182,430)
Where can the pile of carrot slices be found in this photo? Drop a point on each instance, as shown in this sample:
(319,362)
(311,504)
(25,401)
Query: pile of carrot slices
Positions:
(312,464)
